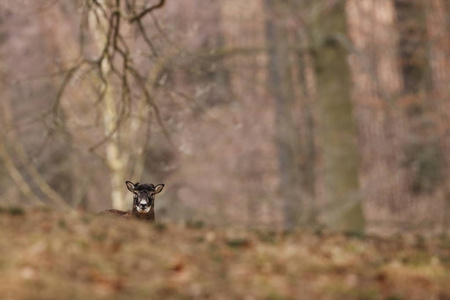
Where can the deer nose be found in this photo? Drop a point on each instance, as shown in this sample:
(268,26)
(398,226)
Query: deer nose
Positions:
(143,203)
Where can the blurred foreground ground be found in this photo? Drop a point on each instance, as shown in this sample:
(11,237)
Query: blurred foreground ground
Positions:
(49,255)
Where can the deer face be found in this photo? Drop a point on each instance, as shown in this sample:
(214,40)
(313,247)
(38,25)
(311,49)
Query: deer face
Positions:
(144,195)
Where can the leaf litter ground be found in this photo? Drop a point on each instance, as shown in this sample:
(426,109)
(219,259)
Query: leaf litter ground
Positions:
(50,255)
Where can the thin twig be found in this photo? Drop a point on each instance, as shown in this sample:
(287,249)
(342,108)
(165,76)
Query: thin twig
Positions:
(153,105)
(148,10)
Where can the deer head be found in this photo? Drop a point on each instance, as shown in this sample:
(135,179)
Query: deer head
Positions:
(144,196)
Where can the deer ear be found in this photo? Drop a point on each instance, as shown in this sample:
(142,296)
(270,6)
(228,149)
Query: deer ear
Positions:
(130,186)
(159,188)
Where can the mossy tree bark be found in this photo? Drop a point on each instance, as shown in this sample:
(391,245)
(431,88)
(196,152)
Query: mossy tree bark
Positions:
(337,126)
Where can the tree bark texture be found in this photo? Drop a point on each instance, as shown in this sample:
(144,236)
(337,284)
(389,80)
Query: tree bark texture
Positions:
(340,151)
(287,136)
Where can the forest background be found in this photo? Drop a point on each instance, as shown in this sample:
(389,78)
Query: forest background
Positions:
(256,113)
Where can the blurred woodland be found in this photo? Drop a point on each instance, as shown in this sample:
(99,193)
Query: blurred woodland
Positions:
(263,113)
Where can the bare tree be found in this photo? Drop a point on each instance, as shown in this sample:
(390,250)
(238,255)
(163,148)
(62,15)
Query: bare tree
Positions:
(109,61)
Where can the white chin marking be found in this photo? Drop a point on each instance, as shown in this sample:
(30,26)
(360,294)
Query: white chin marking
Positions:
(143,210)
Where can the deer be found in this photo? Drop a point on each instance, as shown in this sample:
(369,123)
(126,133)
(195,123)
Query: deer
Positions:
(143,202)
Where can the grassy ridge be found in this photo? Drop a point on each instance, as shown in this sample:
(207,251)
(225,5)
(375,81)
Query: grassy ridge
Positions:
(48,255)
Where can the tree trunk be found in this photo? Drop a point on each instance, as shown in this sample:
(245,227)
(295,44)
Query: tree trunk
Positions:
(338,130)
(115,159)
(412,44)
(307,88)
(287,139)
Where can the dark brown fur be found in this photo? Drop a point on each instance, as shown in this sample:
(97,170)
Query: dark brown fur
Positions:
(150,216)
(112,212)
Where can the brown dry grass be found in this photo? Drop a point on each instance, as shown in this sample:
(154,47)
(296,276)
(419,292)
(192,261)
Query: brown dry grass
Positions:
(48,255)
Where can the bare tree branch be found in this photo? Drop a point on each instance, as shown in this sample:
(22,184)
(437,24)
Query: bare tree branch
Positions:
(153,105)
(16,176)
(146,11)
